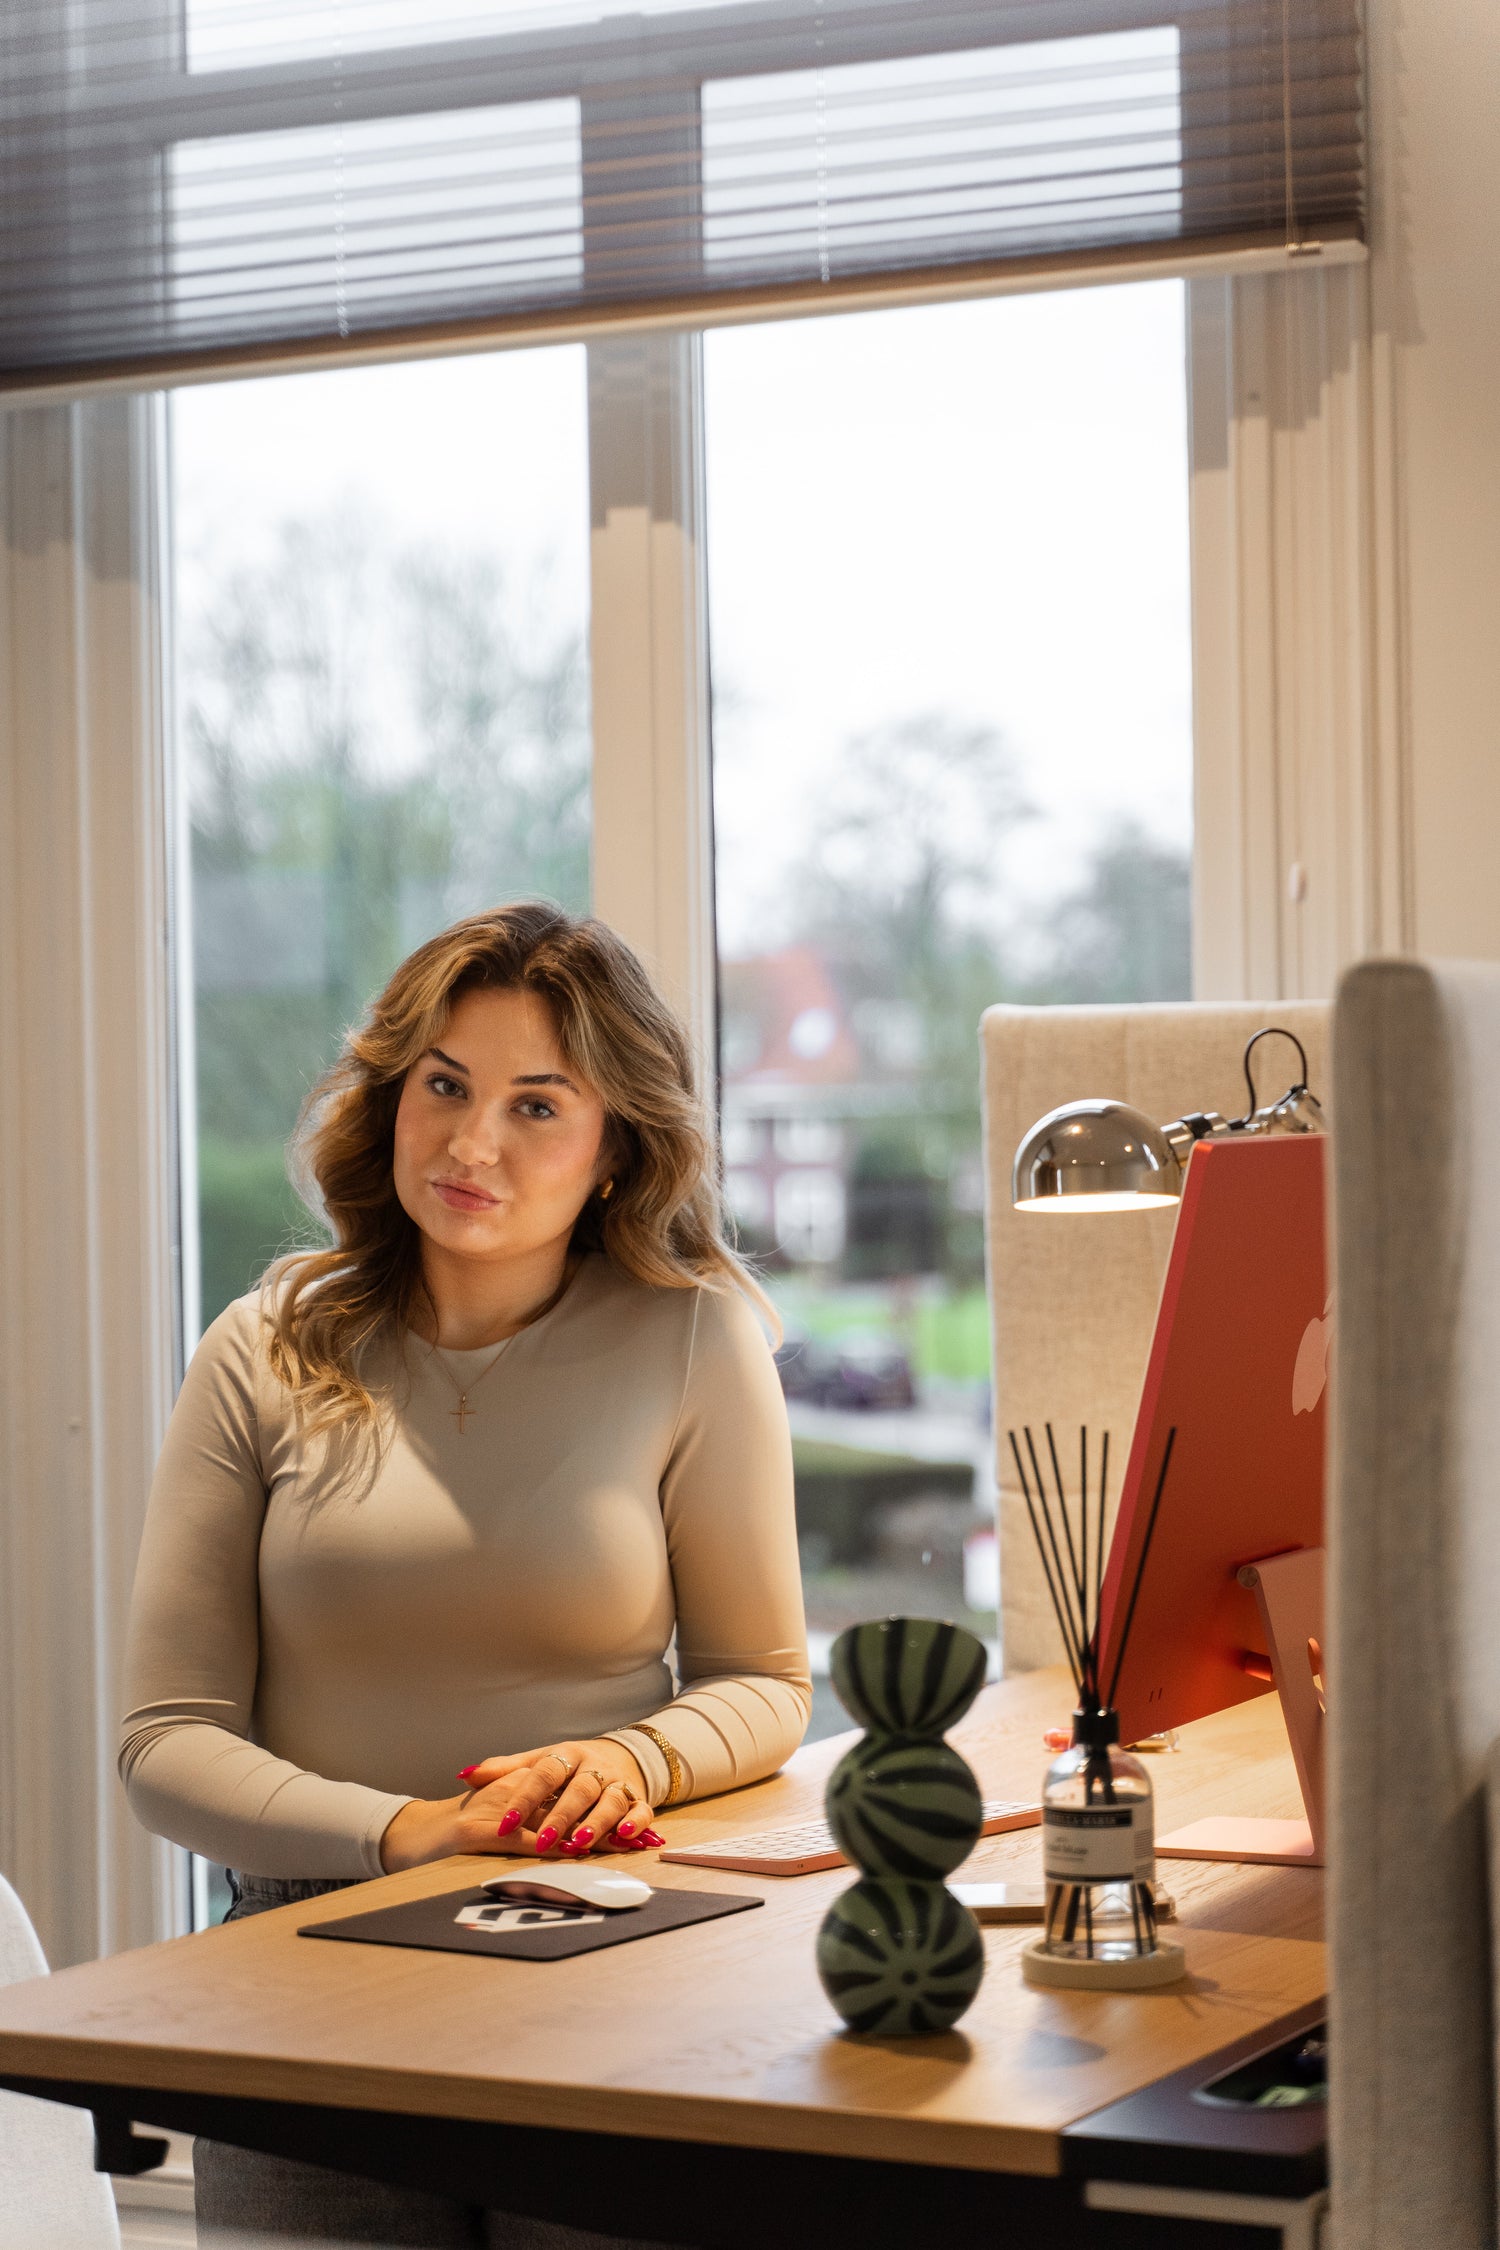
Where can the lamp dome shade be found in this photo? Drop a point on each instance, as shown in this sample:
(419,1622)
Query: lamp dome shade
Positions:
(1095,1156)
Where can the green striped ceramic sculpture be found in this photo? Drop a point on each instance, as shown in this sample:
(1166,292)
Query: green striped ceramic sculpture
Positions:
(897,1953)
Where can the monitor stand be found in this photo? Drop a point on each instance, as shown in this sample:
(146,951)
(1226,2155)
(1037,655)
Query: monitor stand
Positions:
(1288,1592)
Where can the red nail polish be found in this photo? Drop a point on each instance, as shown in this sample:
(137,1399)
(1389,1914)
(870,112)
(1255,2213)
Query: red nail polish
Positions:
(546,1840)
(649,1836)
(464,1772)
(626,1828)
(509,1822)
(583,1835)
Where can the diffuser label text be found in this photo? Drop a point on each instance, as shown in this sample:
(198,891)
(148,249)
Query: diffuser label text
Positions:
(1107,1844)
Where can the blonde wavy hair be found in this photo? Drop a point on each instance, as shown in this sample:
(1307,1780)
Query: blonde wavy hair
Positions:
(663,1223)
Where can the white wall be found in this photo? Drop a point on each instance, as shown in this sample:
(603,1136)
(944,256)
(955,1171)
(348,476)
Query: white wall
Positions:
(1435,306)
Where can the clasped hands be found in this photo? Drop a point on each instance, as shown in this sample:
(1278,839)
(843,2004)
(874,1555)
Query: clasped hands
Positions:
(563,1800)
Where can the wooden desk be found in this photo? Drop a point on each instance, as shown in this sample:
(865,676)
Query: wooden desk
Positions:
(716,2041)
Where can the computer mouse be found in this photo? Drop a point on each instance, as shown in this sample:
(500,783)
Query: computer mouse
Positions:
(582,1885)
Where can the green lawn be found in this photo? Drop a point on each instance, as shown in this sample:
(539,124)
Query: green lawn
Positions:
(947,1336)
(248,1213)
(953,1337)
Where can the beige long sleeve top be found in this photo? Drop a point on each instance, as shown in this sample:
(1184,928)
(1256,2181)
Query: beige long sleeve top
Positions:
(319,1635)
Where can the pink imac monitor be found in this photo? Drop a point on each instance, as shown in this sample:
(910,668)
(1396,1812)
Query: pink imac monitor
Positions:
(1238,1368)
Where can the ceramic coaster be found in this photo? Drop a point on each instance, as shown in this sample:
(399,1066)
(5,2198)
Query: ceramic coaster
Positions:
(1136,1973)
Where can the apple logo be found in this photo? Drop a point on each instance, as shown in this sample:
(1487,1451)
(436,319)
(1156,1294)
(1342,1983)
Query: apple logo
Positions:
(1310,1375)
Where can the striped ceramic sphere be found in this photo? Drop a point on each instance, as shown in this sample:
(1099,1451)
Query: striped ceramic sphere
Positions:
(904,1805)
(899,1957)
(907,1675)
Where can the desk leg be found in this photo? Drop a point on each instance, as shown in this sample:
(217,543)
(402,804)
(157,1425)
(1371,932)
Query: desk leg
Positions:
(1300,2219)
(120,2149)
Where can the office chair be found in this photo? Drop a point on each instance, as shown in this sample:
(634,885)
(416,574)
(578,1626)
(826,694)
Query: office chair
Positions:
(51,2198)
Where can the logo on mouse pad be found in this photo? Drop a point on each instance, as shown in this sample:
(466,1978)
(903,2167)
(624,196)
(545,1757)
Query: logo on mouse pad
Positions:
(1310,1375)
(516,1917)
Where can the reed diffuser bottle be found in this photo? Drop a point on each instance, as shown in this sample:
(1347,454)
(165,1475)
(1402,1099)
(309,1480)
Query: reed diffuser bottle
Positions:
(1098,1824)
(1098,1847)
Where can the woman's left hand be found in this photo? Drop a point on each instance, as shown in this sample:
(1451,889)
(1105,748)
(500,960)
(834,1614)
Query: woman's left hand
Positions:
(577,1796)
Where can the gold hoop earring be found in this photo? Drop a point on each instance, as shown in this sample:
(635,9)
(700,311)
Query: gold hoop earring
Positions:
(606,1191)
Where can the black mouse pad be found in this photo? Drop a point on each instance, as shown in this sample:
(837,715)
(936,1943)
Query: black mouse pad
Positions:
(525,1929)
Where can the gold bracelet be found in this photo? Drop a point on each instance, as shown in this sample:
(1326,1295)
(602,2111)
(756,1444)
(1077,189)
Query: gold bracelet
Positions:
(675,1777)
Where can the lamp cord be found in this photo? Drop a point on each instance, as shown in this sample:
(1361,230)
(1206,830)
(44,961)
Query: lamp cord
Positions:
(1270,1031)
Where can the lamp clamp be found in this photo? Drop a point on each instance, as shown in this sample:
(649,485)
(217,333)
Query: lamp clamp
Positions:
(1107,1155)
(1297,1110)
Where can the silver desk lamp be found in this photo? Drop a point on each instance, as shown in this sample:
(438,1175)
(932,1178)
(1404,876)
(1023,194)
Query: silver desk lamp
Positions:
(1098,1155)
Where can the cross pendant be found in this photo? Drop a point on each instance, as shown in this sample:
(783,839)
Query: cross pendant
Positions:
(460,1412)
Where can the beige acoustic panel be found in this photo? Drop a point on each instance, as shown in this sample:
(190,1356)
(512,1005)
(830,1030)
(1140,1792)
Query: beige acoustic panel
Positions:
(1413,1568)
(1073,1299)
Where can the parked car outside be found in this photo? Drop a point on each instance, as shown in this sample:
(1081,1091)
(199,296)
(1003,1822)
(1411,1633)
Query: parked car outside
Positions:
(863,1370)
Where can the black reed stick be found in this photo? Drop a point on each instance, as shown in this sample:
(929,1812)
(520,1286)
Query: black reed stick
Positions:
(1099,1565)
(1064,1621)
(1062,1509)
(1140,1568)
(1083,1543)
(1076,1649)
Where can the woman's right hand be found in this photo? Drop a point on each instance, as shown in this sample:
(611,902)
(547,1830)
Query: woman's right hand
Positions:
(437,1827)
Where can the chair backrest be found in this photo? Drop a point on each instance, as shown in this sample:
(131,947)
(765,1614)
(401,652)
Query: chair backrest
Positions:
(1414,1709)
(51,2198)
(1073,1301)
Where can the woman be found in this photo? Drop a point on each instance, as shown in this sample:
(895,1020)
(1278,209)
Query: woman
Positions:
(434,1503)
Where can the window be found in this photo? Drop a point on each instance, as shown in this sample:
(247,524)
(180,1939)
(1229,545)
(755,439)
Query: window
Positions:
(948,593)
(948,579)
(382,715)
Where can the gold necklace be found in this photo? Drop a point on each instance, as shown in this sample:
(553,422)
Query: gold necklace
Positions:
(464,1411)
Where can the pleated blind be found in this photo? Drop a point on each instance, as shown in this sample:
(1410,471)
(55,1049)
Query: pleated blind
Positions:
(206,180)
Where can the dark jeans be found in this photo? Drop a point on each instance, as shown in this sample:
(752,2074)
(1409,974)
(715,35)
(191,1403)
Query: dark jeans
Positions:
(245,2200)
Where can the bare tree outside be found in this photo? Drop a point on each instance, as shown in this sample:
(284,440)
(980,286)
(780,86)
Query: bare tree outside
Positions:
(853,1132)
(370,754)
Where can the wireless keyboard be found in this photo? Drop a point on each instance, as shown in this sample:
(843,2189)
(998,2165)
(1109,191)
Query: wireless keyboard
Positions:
(808,1845)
